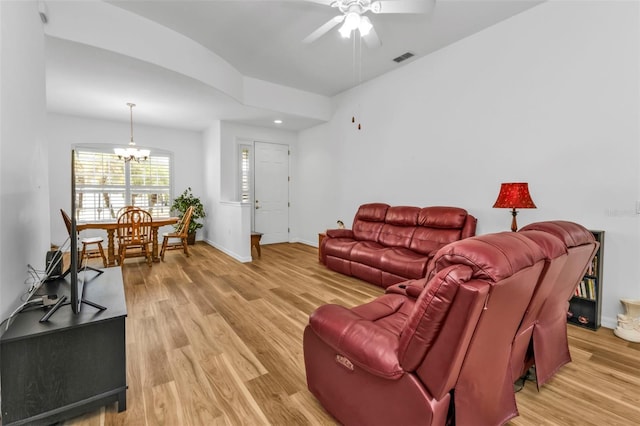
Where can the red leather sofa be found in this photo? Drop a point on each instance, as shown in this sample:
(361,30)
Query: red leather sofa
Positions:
(388,245)
(439,353)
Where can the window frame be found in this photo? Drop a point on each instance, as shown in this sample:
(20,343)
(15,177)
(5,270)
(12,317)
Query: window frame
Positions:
(126,189)
(245,196)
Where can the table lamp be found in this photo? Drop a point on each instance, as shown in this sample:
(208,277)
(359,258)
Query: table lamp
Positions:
(514,195)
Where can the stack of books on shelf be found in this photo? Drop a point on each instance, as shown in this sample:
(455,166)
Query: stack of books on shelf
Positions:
(587,288)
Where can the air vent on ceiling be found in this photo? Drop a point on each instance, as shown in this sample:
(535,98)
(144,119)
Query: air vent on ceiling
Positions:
(403,57)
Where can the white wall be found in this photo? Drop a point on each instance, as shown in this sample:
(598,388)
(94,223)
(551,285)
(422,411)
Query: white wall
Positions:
(64,131)
(212,165)
(24,188)
(543,97)
(233,230)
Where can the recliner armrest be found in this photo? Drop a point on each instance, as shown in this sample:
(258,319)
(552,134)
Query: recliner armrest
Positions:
(339,233)
(364,343)
(411,288)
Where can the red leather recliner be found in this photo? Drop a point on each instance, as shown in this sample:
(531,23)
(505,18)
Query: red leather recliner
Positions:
(430,359)
(556,258)
(550,343)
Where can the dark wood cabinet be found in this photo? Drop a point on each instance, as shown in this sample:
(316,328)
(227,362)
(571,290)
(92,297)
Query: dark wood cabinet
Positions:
(69,365)
(585,306)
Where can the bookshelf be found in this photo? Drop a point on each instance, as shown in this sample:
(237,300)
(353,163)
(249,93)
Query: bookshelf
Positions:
(586,303)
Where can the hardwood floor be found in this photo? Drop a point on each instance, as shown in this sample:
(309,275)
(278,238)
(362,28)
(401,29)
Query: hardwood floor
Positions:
(211,341)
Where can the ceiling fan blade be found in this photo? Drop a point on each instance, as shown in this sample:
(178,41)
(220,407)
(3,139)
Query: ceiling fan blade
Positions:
(371,39)
(325,2)
(325,28)
(402,6)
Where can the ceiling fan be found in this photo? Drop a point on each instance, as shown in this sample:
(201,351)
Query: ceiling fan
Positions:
(353,16)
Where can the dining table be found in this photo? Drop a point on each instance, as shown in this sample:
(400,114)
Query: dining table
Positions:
(111,227)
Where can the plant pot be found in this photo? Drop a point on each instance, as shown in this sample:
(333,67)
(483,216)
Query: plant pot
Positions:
(191,238)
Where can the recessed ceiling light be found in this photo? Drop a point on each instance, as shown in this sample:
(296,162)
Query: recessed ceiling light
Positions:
(277,121)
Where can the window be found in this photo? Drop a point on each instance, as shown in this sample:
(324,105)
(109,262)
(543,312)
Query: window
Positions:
(245,173)
(105,184)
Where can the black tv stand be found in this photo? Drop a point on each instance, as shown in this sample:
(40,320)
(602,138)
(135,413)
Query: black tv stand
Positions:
(73,363)
(61,302)
(54,308)
(82,269)
(95,305)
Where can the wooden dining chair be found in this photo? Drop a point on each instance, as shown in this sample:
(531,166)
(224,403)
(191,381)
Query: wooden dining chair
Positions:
(134,232)
(124,209)
(181,233)
(86,242)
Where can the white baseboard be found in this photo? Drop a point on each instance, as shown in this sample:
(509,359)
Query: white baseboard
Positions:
(230,253)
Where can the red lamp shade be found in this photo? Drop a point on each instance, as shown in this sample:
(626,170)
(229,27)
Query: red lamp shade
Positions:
(514,196)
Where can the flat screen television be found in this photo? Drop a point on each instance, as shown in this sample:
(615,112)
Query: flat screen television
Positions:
(76,282)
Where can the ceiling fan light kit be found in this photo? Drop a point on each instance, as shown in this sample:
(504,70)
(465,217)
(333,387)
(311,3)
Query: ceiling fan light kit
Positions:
(353,17)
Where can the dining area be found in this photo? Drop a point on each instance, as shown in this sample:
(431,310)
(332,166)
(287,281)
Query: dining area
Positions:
(133,233)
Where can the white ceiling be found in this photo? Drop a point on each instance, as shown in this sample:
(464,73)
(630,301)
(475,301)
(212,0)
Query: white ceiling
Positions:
(261,39)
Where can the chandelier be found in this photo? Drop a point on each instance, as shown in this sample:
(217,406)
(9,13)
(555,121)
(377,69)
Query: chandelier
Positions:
(132,153)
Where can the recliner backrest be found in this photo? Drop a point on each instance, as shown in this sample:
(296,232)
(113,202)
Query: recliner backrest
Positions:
(510,265)
(556,257)
(493,277)
(449,307)
(368,221)
(550,344)
(581,246)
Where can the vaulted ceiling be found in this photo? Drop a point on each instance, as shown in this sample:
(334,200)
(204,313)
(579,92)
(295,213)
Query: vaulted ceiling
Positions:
(261,40)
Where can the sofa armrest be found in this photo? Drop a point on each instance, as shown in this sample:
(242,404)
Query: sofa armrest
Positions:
(364,343)
(339,233)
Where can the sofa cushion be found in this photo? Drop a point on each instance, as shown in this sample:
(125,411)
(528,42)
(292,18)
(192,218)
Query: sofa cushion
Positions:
(368,253)
(365,343)
(366,231)
(390,313)
(402,215)
(430,240)
(400,223)
(339,247)
(442,217)
(404,262)
(372,212)
(368,221)
(396,235)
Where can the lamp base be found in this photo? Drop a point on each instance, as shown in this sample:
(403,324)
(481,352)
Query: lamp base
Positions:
(514,225)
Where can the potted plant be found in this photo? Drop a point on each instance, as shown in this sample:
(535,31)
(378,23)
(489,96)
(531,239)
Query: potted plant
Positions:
(182,203)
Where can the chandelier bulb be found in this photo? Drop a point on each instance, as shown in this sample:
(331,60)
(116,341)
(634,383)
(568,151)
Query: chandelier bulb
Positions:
(353,119)
(359,126)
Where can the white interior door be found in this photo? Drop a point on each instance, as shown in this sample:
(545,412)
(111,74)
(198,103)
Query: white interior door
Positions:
(271,192)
